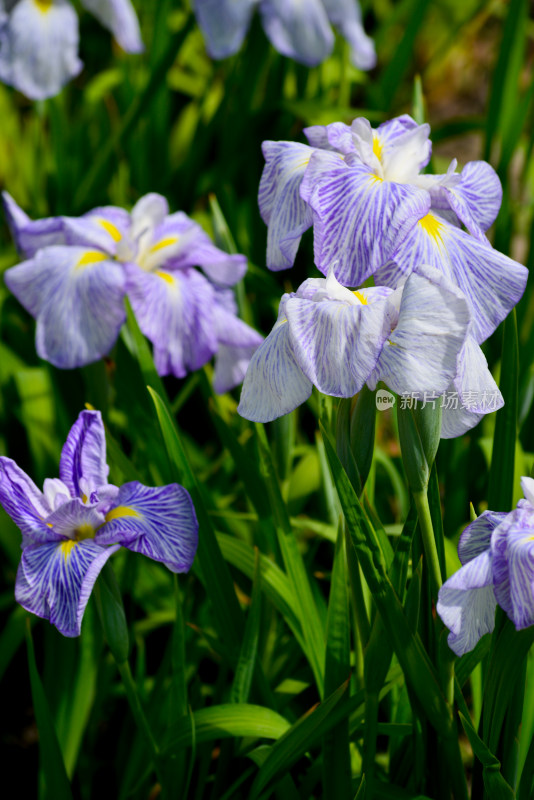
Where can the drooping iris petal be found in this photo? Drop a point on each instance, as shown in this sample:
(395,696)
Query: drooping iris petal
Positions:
(55,580)
(476,538)
(466,604)
(77,297)
(491,282)
(174,310)
(102,228)
(84,454)
(346,16)
(237,342)
(224,23)
(472,393)
(158,522)
(421,353)
(31,235)
(281,206)
(23,501)
(512,548)
(39,47)
(298,30)
(231,364)
(119,17)
(361,220)
(337,342)
(274,383)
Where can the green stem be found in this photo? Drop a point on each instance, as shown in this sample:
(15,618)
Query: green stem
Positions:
(139,715)
(429,540)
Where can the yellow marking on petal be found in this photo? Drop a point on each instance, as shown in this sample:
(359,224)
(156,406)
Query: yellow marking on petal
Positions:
(85,531)
(375,178)
(432,226)
(121,511)
(67,547)
(92,257)
(377,146)
(166,277)
(49,525)
(112,229)
(84,498)
(43,5)
(163,243)
(361,298)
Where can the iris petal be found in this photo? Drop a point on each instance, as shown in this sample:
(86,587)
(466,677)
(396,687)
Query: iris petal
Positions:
(119,17)
(476,538)
(31,235)
(298,30)
(347,17)
(24,503)
(84,454)
(512,548)
(224,23)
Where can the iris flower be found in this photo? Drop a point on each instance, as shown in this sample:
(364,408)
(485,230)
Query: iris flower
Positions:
(497,555)
(299,30)
(373,213)
(337,340)
(39,41)
(80,269)
(71,528)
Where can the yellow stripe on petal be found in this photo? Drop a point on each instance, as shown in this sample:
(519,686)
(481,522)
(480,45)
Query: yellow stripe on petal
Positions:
(92,257)
(361,298)
(432,226)
(67,547)
(121,511)
(375,178)
(377,146)
(112,229)
(43,5)
(166,277)
(163,243)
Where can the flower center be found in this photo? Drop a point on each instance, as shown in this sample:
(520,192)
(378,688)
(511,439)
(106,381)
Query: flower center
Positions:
(84,531)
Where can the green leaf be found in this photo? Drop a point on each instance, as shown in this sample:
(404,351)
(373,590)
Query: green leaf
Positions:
(496,786)
(249,646)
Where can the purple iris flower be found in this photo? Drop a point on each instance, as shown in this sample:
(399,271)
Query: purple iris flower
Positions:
(39,41)
(337,340)
(373,213)
(296,29)
(497,554)
(80,269)
(71,528)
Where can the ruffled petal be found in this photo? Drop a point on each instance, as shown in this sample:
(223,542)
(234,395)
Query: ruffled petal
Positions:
(77,297)
(281,205)
(421,353)
(39,48)
(119,17)
(403,148)
(361,220)
(31,235)
(103,228)
(491,282)
(159,522)
(84,454)
(347,17)
(337,345)
(224,24)
(175,311)
(298,30)
(476,538)
(24,503)
(274,383)
(55,580)
(512,547)
(466,604)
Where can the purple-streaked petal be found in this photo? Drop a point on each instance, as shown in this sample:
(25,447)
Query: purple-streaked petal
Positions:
(491,282)
(232,331)
(84,454)
(175,311)
(23,501)
(281,206)
(361,221)
(298,30)
(346,16)
(512,547)
(159,522)
(231,364)
(476,538)
(75,520)
(466,604)
(337,343)
(422,351)
(403,148)
(322,163)
(224,24)
(237,343)
(39,48)
(31,235)
(77,297)
(317,136)
(274,383)
(102,228)
(119,17)
(55,580)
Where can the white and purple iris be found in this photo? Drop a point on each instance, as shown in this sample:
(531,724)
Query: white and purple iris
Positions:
(71,528)
(79,270)
(39,41)
(297,29)
(373,213)
(338,340)
(497,555)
